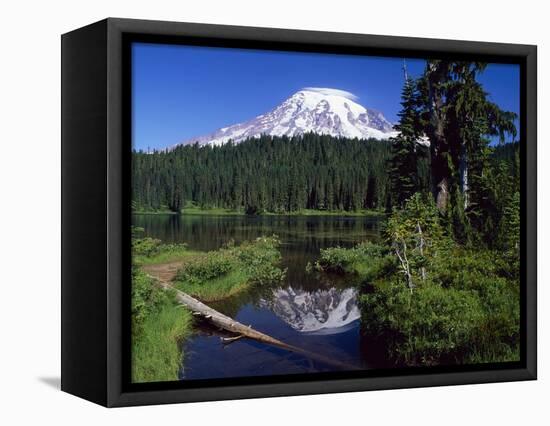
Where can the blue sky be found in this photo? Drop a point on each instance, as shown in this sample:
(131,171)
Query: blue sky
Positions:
(179,92)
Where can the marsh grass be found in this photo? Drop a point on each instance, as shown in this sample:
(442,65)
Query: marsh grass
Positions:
(151,251)
(218,288)
(232,269)
(157,351)
(159,325)
(367,260)
(313,212)
(167,256)
(216,211)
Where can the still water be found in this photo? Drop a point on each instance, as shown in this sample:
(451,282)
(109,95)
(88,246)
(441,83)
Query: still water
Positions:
(314,311)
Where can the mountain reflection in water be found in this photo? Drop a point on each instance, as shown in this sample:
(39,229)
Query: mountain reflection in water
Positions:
(327,310)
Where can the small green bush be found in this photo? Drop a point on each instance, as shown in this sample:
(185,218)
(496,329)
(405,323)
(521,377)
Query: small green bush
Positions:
(213,265)
(151,250)
(368,260)
(218,274)
(145,246)
(146,298)
(425,324)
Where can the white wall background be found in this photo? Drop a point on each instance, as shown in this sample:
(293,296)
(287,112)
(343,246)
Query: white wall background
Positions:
(30,211)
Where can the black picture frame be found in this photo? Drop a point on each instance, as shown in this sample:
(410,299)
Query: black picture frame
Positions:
(96,210)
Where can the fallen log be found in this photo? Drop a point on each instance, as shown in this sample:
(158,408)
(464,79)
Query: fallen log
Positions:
(228,324)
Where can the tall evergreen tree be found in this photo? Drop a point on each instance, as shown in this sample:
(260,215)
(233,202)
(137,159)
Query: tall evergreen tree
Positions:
(458,118)
(404,180)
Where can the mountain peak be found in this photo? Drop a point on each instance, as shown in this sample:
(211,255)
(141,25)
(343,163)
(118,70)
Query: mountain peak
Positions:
(321,110)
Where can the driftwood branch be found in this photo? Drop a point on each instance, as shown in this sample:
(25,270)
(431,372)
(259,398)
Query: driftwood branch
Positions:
(228,340)
(421,244)
(404,263)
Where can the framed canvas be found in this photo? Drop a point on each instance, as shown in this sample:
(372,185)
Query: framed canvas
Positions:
(254,212)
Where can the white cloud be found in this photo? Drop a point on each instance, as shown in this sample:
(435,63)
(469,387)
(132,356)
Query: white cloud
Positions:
(335,92)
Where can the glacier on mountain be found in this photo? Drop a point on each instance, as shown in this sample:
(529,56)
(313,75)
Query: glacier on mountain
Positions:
(324,111)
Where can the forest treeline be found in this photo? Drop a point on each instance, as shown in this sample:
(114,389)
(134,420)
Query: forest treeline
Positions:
(280,174)
(269,174)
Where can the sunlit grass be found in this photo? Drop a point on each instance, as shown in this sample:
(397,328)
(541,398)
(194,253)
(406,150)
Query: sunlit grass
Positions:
(218,288)
(157,350)
(219,274)
(217,211)
(167,256)
(312,212)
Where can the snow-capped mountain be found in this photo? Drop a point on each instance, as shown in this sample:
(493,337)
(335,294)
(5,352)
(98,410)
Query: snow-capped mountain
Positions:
(320,110)
(328,310)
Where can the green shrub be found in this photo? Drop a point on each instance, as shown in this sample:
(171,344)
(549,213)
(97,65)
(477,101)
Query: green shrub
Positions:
(260,259)
(151,250)
(146,298)
(493,279)
(213,265)
(145,246)
(465,309)
(221,273)
(426,324)
(366,259)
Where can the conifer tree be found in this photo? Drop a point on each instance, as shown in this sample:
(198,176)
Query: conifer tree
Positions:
(458,118)
(403,163)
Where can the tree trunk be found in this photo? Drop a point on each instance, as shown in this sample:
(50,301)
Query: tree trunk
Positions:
(436,133)
(421,248)
(463,175)
(405,264)
(442,195)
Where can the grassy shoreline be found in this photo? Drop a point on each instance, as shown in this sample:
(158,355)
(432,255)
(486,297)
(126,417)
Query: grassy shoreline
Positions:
(159,324)
(157,355)
(227,212)
(167,257)
(222,273)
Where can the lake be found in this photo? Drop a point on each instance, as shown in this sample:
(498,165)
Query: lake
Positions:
(317,312)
